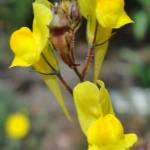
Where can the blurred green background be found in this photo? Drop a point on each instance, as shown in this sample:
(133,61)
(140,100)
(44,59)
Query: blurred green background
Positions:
(126,72)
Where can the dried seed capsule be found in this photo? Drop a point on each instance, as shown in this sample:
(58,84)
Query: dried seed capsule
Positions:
(62,31)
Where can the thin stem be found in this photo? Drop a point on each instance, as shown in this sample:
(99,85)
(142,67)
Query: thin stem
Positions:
(64,82)
(90,54)
(77,73)
(73,56)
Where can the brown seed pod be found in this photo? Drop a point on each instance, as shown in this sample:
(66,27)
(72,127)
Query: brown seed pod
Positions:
(62,31)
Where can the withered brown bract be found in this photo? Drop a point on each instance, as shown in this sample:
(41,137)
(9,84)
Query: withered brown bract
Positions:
(65,22)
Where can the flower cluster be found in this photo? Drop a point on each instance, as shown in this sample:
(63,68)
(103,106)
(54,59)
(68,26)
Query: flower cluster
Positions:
(53,31)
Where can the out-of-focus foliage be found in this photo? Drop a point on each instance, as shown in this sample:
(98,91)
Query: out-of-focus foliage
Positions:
(139,66)
(141,26)
(141,17)
(141,30)
(14,13)
(138,55)
(11,103)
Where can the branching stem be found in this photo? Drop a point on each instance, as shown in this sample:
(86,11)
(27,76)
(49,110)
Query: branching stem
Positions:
(60,77)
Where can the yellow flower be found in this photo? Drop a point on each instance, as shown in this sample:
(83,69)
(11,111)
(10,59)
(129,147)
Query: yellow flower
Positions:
(91,102)
(107,133)
(23,44)
(103,16)
(30,46)
(27,45)
(17,126)
(97,119)
(111,14)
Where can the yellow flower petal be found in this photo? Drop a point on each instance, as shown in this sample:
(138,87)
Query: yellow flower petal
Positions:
(42,18)
(94,147)
(110,14)
(105,130)
(17,61)
(105,99)
(86,97)
(87,7)
(23,45)
(124,19)
(130,139)
(45,2)
(114,127)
